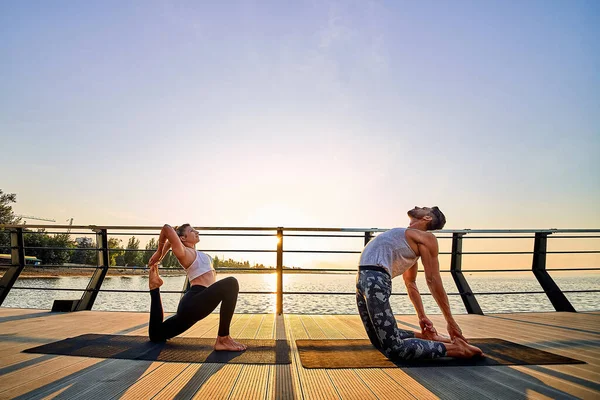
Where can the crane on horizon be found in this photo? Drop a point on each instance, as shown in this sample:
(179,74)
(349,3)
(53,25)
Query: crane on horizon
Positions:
(32,217)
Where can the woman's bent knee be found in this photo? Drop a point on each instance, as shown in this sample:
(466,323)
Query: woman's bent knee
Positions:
(232,283)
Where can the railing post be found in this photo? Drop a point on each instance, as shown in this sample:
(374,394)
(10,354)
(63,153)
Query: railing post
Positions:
(466,294)
(17,251)
(556,296)
(279,271)
(368,237)
(89,296)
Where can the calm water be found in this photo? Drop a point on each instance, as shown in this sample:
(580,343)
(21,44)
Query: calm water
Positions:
(317,304)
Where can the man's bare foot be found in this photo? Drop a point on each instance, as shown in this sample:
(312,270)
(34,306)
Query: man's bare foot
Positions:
(461,349)
(154,280)
(226,343)
(436,337)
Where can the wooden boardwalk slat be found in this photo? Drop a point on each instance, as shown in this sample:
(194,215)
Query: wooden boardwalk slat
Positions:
(221,383)
(252,382)
(314,383)
(152,383)
(506,329)
(37,376)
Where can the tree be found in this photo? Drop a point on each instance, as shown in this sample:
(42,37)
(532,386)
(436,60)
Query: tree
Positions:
(116,253)
(84,256)
(7,216)
(151,247)
(133,258)
(51,249)
(170,261)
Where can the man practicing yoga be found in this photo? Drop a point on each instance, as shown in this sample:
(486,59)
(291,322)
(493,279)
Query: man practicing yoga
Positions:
(203,296)
(394,253)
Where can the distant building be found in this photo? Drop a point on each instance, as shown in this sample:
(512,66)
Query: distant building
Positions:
(80,240)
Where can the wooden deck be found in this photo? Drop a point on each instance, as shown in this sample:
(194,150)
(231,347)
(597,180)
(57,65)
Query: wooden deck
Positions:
(23,375)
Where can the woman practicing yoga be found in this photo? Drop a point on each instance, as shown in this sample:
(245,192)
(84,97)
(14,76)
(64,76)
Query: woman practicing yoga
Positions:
(203,296)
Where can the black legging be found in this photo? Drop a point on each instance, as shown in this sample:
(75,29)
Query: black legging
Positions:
(197,303)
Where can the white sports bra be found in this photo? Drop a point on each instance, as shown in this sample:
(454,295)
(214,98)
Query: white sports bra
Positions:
(201,265)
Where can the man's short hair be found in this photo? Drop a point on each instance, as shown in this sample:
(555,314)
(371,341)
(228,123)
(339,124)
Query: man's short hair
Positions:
(438,219)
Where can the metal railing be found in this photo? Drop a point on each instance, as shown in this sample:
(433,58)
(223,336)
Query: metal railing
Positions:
(539,252)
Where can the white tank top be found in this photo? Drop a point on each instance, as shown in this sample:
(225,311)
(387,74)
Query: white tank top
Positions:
(391,251)
(201,265)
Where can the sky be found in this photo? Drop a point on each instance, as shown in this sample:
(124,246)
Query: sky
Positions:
(306,113)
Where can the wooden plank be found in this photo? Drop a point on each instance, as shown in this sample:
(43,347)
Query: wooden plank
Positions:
(267,327)
(313,329)
(561,384)
(416,388)
(251,328)
(382,385)
(349,385)
(252,383)
(329,330)
(219,385)
(152,383)
(522,334)
(29,383)
(188,382)
(314,383)
(111,379)
(284,383)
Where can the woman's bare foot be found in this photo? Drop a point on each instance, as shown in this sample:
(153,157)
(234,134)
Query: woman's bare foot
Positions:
(154,280)
(461,349)
(226,343)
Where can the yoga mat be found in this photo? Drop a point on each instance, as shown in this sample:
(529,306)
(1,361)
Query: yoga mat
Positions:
(179,349)
(360,353)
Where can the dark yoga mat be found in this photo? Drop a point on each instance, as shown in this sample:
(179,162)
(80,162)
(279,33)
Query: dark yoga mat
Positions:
(179,349)
(360,353)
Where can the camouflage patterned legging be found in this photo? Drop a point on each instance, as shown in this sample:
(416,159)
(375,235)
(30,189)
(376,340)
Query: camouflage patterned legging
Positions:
(373,289)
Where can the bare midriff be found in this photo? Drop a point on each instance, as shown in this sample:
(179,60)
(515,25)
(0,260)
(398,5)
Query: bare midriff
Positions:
(205,279)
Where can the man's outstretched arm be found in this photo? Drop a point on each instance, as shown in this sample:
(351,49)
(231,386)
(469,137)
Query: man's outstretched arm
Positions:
(428,250)
(410,281)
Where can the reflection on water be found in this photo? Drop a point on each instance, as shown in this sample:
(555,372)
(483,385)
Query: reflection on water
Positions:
(317,304)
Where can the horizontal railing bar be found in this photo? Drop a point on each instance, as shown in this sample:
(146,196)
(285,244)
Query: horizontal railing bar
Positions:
(113,250)
(573,237)
(200,234)
(298,235)
(339,236)
(324,251)
(302,229)
(46,288)
(297,293)
(166,291)
(135,228)
(116,290)
(55,266)
(145,268)
(496,237)
(65,248)
(574,252)
(306,251)
(286,270)
(153,234)
(527,252)
(58,233)
(539,292)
